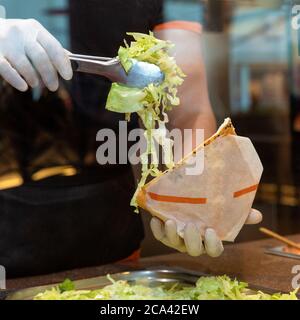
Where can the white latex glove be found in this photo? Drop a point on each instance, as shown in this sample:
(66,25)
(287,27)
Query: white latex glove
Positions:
(28,51)
(193,244)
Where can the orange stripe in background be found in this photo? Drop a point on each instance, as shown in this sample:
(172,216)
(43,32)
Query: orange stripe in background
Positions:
(245,191)
(134,257)
(181,25)
(174,199)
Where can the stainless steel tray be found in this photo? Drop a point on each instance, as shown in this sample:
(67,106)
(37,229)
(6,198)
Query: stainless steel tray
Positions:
(151,277)
(147,277)
(278,251)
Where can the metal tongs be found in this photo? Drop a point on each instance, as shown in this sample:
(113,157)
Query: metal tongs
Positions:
(140,75)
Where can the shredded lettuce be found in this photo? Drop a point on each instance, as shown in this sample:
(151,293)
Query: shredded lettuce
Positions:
(124,99)
(206,288)
(150,103)
(67,285)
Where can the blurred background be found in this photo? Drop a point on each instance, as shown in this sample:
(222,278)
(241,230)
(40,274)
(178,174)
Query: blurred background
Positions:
(253,69)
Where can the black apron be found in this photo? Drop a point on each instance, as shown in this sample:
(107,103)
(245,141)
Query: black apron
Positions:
(61,223)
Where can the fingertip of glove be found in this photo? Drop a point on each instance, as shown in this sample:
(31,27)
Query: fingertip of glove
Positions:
(213,245)
(53,87)
(193,240)
(67,71)
(68,74)
(254,217)
(156,228)
(22,87)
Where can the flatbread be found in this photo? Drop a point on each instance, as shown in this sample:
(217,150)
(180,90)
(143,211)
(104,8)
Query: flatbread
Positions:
(220,197)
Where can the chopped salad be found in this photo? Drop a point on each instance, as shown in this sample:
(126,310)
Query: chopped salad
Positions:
(206,288)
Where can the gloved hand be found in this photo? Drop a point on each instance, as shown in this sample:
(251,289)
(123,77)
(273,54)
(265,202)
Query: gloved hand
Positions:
(193,243)
(27,51)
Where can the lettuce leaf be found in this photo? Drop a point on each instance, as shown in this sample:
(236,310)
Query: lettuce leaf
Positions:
(152,102)
(67,285)
(123,55)
(124,99)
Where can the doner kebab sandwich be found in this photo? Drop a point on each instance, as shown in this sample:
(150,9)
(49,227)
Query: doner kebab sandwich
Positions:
(220,197)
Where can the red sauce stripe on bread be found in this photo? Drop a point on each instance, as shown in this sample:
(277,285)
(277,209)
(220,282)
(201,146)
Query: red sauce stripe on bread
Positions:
(164,198)
(245,191)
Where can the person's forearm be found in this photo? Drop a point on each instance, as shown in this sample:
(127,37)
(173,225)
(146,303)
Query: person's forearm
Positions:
(194,119)
(194,111)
